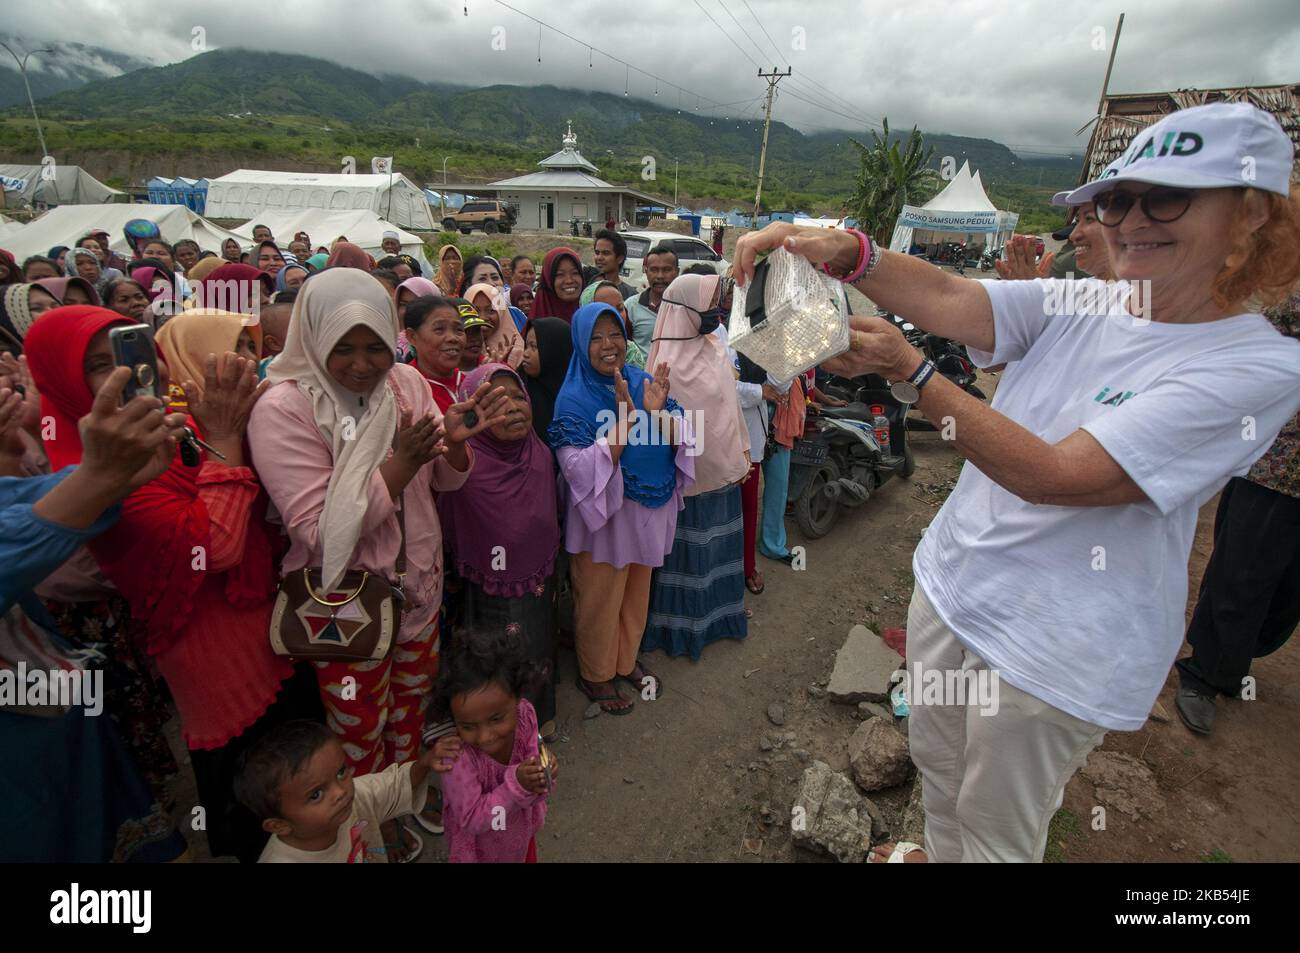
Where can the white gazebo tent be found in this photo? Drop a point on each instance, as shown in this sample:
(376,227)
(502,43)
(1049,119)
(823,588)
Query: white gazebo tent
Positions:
(249,193)
(961,212)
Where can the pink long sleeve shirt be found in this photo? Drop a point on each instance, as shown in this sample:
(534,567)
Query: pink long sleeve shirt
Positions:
(601,521)
(489,817)
(294,461)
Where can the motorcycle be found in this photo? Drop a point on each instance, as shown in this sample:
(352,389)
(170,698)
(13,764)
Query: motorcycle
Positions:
(847,453)
(988,258)
(949,357)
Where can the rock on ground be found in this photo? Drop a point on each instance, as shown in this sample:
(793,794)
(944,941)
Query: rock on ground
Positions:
(1124,783)
(863,666)
(831,817)
(879,755)
(912,826)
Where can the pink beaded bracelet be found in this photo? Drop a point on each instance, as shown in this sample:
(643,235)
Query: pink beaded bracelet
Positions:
(865,250)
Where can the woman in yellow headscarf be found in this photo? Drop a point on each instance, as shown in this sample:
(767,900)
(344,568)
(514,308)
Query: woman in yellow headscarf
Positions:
(449,267)
(186,340)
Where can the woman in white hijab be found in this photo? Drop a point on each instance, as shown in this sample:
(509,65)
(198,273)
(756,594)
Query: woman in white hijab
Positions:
(321,438)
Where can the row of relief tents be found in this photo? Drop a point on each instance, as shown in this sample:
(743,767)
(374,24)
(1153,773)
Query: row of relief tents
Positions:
(326,206)
(242,194)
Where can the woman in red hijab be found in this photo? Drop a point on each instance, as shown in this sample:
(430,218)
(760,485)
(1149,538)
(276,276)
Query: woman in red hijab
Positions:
(9,270)
(232,288)
(193,556)
(559,286)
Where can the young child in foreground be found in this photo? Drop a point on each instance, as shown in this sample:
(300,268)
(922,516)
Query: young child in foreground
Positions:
(494,795)
(298,781)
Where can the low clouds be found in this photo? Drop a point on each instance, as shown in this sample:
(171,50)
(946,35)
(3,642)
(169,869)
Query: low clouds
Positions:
(1024,73)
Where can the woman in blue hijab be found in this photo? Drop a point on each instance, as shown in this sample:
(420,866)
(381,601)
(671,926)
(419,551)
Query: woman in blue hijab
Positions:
(623,489)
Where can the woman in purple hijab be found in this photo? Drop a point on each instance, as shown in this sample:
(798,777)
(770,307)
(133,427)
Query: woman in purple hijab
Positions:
(503,530)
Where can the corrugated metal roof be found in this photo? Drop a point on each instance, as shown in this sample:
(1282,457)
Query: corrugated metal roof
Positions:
(565,179)
(567,159)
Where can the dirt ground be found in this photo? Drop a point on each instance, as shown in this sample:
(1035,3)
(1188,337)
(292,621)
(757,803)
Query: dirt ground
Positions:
(683,778)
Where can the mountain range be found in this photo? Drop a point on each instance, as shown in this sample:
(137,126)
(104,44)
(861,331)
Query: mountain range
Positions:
(229,108)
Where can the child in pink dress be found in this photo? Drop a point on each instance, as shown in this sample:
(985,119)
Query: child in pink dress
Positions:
(495,794)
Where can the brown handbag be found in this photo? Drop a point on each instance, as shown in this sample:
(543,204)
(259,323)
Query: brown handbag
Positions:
(357,621)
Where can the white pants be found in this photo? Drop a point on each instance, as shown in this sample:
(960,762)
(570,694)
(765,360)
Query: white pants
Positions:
(992,779)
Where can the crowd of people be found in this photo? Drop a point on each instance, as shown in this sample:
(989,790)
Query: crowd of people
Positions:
(527,457)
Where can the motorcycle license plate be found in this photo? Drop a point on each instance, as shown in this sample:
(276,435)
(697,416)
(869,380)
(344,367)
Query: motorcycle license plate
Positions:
(810,454)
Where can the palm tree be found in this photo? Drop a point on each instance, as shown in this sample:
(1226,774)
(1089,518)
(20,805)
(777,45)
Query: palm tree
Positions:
(888,179)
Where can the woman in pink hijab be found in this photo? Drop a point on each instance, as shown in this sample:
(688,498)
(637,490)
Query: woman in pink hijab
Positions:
(709,544)
(406,292)
(504,345)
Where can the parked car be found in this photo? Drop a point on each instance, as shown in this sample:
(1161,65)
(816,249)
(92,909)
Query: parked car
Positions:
(690,251)
(491,217)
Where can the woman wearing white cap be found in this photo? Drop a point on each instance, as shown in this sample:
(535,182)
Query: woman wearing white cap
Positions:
(1056,572)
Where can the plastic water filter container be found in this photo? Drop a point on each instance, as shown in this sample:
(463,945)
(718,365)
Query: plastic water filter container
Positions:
(790,317)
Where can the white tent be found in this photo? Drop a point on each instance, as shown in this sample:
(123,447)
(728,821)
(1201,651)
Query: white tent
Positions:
(28,185)
(361,227)
(958,213)
(252,193)
(65,224)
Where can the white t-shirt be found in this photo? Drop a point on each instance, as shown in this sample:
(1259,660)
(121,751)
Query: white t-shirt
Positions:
(379,798)
(1023,585)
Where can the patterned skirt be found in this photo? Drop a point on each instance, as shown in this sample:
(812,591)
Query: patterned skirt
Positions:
(698,595)
(135,698)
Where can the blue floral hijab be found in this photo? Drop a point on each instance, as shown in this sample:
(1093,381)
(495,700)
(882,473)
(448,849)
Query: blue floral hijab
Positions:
(649,470)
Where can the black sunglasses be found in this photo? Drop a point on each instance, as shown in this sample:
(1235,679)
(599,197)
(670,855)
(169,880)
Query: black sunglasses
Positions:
(1160,204)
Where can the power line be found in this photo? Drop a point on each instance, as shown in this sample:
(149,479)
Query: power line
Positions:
(804,76)
(763,28)
(727,10)
(795,83)
(610,56)
(858,120)
(728,36)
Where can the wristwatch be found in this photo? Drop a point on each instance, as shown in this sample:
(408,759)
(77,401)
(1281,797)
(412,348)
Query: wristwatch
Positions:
(909,391)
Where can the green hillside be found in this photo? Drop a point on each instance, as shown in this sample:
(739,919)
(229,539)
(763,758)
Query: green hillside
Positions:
(231,108)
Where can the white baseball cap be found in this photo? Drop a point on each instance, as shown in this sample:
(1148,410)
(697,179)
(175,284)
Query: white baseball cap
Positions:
(1216,146)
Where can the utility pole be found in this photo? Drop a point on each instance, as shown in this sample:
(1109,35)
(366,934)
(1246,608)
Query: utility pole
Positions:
(22,68)
(772,78)
(1101,103)
(444,187)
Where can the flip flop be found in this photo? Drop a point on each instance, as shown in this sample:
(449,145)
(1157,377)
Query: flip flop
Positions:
(428,823)
(413,850)
(901,850)
(636,683)
(755,587)
(601,699)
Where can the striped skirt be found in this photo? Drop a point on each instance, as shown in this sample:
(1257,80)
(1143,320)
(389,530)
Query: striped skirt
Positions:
(698,595)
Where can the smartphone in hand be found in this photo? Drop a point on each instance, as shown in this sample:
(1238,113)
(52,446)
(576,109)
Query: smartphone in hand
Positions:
(133,347)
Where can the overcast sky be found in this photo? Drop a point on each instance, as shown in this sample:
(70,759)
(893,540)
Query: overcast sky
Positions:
(1024,72)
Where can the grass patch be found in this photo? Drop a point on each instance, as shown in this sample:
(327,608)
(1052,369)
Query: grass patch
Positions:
(1217,856)
(1064,826)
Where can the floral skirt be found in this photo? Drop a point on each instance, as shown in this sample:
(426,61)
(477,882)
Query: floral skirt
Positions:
(135,699)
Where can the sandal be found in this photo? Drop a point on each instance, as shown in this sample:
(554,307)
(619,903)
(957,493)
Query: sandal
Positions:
(901,850)
(413,850)
(638,681)
(754,583)
(430,816)
(603,700)
(749,613)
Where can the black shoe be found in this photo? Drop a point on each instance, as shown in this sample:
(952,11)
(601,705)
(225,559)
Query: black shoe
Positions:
(1196,709)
